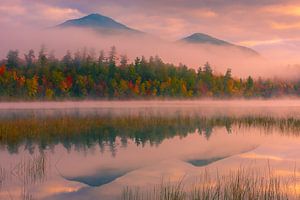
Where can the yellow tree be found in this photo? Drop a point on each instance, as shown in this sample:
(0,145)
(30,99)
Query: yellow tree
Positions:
(32,86)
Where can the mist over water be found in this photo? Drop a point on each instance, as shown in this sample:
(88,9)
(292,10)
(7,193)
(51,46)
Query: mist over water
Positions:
(144,108)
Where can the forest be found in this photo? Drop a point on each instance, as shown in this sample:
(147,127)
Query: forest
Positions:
(85,75)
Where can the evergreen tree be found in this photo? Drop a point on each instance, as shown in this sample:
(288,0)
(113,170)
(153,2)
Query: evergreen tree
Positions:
(13,59)
(42,59)
(29,58)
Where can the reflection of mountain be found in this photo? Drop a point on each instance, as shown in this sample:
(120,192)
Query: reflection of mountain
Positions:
(204,162)
(105,176)
(99,178)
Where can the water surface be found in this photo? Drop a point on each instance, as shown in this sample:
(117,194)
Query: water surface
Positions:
(93,150)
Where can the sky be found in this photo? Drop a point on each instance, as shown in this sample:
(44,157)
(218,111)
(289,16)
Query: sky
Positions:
(252,23)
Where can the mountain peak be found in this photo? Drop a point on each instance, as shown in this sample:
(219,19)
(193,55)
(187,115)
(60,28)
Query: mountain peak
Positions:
(201,38)
(204,38)
(98,22)
(94,15)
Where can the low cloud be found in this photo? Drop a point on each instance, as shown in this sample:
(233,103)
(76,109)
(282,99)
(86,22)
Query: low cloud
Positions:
(38,15)
(221,58)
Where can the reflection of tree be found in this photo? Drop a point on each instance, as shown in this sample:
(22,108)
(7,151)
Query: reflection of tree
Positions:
(208,132)
(228,128)
(124,141)
(86,132)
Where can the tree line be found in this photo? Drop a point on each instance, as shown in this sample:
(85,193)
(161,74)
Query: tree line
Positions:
(84,75)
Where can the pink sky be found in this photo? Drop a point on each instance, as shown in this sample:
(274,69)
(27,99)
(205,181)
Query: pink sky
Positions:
(251,23)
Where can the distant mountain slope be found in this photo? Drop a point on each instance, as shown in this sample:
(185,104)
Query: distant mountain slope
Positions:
(98,22)
(201,38)
(107,25)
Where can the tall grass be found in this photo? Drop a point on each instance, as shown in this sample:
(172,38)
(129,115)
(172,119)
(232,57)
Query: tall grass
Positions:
(25,173)
(242,184)
(31,170)
(3,176)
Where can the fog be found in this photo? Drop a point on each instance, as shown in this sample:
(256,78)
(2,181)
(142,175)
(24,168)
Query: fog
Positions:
(221,58)
(155,108)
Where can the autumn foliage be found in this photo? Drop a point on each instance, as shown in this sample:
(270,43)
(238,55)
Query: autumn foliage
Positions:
(85,76)
(2,70)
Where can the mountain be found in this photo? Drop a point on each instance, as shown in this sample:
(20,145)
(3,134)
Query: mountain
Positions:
(103,24)
(201,38)
(99,23)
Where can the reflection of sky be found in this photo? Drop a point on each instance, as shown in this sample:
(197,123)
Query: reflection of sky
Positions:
(90,174)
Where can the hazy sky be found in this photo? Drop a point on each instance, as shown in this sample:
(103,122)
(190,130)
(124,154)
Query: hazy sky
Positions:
(248,22)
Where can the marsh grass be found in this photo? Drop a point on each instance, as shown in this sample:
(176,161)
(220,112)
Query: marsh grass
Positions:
(164,191)
(3,177)
(87,131)
(242,184)
(25,173)
(31,170)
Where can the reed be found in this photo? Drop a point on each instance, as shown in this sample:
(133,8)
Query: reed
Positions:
(25,173)
(242,184)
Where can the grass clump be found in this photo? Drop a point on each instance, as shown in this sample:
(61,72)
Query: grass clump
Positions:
(242,184)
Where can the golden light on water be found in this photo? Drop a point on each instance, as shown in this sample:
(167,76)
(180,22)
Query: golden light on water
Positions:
(260,156)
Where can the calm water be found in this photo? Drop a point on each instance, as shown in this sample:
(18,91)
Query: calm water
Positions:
(93,150)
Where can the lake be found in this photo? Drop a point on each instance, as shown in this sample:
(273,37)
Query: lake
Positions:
(103,149)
